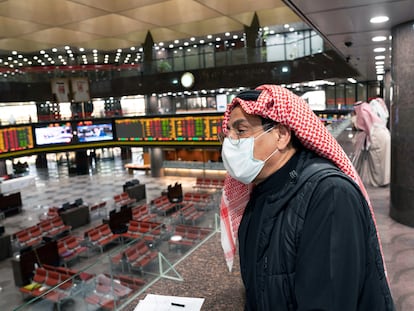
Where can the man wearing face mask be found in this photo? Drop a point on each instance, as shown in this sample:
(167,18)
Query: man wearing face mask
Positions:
(306,230)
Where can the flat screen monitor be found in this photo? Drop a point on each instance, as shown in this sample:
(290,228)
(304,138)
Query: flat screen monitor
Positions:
(89,131)
(53,133)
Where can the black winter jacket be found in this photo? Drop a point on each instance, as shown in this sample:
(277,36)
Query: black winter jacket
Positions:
(307,241)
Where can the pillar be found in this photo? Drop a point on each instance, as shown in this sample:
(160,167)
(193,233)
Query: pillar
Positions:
(3,170)
(41,160)
(148,48)
(252,32)
(401,125)
(156,162)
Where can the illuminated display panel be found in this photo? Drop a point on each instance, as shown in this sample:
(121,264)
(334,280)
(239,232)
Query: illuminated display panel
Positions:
(16,138)
(182,128)
(90,131)
(53,133)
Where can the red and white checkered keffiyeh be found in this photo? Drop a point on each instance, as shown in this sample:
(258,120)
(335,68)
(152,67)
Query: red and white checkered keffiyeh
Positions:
(282,106)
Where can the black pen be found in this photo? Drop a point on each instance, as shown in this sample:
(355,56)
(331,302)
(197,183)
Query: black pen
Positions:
(177,304)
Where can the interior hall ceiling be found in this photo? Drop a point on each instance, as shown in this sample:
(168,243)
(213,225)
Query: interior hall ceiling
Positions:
(27,26)
(32,25)
(345,24)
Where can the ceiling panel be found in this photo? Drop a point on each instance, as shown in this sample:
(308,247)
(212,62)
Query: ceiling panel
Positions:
(165,34)
(208,27)
(10,27)
(231,7)
(114,6)
(172,12)
(23,45)
(102,44)
(282,15)
(47,12)
(109,25)
(60,36)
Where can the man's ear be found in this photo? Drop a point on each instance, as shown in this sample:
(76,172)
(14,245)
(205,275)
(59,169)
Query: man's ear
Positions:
(284,136)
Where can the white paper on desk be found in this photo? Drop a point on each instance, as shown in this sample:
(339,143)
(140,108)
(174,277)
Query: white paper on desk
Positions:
(163,303)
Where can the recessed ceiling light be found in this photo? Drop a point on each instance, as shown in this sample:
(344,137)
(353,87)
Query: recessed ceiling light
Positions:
(379,57)
(379,50)
(379,19)
(379,38)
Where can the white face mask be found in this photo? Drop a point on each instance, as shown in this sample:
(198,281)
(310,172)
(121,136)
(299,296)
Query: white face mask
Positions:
(239,161)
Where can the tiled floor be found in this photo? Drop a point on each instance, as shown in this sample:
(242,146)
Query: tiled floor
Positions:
(204,271)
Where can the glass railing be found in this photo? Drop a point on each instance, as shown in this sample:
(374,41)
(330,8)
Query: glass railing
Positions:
(116,269)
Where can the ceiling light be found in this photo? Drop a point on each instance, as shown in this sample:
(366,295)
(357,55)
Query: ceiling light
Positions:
(227,34)
(352,80)
(379,19)
(379,38)
(379,50)
(81,49)
(286,25)
(132,48)
(380,77)
(67,47)
(379,57)
(381,62)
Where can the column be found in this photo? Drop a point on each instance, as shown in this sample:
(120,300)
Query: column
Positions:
(401,125)
(3,170)
(156,162)
(252,32)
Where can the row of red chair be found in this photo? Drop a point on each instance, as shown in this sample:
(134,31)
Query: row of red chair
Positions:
(101,236)
(44,279)
(106,292)
(70,248)
(149,231)
(97,207)
(162,205)
(188,213)
(142,213)
(123,199)
(188,235)
(33,235)
(197,197)
(136,256)
(209,183)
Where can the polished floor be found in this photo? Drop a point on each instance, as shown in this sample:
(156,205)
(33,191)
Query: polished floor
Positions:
(204,271)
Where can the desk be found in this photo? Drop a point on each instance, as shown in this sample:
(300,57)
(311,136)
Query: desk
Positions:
(5,246)
(76,216)
(11,203)
(136,191)
(131,167)
(16,184)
